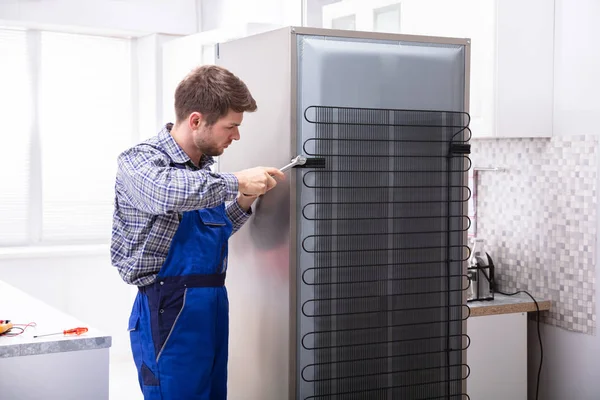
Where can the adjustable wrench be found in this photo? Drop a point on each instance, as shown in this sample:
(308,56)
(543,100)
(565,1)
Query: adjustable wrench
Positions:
(298,160)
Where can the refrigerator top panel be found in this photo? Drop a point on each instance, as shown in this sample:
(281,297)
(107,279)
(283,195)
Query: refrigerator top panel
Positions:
(379,73)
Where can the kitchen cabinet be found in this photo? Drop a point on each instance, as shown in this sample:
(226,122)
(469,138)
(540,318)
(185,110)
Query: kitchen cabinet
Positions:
(497,362)
(497,355)
(512,53)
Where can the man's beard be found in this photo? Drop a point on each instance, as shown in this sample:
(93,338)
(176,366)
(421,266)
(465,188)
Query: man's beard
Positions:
(203,144)
(211,151)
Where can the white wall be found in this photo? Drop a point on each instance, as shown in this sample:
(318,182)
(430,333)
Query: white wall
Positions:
(137,16)
(571,360)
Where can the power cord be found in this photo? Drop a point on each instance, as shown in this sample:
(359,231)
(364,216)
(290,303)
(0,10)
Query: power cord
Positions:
(17,327)
(537,307)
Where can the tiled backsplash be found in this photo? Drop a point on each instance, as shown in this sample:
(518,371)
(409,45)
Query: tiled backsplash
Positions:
(539,221)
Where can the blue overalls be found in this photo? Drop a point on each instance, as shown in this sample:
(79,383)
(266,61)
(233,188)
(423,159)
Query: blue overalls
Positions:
(179,325)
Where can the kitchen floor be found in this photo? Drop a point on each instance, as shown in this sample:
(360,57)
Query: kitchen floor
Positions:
(123,381)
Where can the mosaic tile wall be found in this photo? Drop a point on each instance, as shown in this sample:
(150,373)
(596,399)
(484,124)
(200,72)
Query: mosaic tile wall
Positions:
(538,219)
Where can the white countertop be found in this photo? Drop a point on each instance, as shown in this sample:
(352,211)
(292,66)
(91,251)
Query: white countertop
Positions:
(21,308)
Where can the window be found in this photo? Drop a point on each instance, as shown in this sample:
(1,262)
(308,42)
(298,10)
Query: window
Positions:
(374,15)
(387,19)
(76,110)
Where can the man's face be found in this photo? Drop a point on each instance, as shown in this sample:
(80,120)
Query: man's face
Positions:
(213,140)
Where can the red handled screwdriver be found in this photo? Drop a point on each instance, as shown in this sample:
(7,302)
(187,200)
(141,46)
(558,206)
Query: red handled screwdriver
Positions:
(74,331)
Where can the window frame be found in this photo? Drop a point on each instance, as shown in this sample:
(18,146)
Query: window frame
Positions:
(363,12)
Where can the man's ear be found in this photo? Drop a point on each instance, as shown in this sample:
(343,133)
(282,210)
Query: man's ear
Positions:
(195,120)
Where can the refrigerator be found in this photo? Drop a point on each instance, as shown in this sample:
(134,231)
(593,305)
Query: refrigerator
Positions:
(349,281)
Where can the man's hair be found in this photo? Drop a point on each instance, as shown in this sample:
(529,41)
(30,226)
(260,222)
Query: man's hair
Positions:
(212,91)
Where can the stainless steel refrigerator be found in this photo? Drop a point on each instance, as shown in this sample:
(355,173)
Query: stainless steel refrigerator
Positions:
(349,281)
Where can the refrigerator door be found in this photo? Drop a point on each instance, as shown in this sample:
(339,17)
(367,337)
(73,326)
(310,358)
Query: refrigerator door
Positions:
(381,230)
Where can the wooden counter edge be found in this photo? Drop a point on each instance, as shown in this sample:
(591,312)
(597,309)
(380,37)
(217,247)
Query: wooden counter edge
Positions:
(509,308)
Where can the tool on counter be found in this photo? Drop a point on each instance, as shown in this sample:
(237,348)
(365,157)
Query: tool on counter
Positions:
(305,162)
(5,325)
(74,331)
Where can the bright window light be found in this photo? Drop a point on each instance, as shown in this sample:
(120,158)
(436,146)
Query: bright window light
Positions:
(85,122)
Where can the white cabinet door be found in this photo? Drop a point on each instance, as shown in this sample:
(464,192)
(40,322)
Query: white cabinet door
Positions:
(497,357)
(512,59)
(525,68)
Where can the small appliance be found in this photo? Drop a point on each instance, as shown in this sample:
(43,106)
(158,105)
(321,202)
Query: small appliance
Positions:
(481,274)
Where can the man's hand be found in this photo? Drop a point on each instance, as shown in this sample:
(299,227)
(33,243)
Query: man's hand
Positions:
(258,180)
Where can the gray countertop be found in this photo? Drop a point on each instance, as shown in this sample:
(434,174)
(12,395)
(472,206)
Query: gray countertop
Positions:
(22,308)
(507,305)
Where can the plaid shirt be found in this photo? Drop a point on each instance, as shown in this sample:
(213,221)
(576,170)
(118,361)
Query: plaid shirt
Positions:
(150,194)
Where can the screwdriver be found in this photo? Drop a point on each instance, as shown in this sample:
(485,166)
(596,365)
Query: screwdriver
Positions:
(74,331)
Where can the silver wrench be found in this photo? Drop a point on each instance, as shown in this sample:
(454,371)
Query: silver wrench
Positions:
(299,160)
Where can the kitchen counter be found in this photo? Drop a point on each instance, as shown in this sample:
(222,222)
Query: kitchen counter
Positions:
(22,308)
(50,367)
(507,305)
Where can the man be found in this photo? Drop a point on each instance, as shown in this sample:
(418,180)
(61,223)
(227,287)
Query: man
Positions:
(170,232)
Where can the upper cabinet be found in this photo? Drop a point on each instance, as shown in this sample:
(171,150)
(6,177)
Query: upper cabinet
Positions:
(512,52)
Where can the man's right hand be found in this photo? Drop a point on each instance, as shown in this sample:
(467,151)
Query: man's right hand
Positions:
(258,180)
